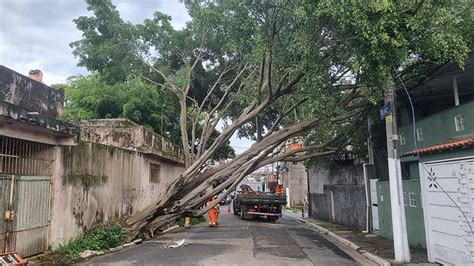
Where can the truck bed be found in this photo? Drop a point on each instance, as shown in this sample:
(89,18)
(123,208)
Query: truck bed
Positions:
(261,199)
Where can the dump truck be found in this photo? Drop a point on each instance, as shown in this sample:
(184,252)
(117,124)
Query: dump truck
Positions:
(249,204)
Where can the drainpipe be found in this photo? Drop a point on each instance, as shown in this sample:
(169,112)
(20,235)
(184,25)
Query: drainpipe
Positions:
(367,200)
(308,193)
(370,153)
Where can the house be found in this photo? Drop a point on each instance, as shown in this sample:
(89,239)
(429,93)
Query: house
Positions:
(31,135)
(438,148)
(436,151)
(57,179)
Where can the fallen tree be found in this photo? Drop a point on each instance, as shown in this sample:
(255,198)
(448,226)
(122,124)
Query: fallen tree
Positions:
(273,71)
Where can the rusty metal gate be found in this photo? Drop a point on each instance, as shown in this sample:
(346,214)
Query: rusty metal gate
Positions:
(25,196)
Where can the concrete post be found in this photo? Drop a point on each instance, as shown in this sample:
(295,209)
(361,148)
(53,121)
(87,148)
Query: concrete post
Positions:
(455,89)
(400,238)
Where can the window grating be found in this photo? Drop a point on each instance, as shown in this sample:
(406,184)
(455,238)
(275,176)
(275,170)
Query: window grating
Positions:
(25,157)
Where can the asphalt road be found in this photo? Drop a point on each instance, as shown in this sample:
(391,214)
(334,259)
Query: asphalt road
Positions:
(237,242)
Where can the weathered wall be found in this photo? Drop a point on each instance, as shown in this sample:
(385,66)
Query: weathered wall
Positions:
(296,179)
(30,94)
(337,194)
(341,204)
(334,174)
(126,134)
(97,182)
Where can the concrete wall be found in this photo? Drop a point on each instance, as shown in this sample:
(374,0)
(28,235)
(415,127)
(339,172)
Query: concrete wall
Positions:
(22,91)
(126,134)
(414,215)
(296,180)
(97,182)
(334,174)
(341,204)
(337,194)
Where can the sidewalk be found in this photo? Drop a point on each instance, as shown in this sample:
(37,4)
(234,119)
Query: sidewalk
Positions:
(374,247)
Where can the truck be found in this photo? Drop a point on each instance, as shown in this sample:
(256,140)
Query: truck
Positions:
(249,204)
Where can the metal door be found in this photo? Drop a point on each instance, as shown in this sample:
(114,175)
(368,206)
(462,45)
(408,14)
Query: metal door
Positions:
(375,208)
(447,194)
(25,207)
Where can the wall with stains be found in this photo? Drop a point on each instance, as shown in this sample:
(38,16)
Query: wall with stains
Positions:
(97,182)
(30,94)
(295,178)
(337,194)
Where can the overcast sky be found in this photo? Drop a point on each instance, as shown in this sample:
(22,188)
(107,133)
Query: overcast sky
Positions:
(36,34)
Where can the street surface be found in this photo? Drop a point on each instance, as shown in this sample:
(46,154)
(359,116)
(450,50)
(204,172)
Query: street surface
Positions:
(237,242)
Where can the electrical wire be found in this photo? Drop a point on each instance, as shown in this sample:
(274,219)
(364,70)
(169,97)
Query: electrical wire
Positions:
(419,157)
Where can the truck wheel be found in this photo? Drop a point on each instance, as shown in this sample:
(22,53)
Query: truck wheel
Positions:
(272,218)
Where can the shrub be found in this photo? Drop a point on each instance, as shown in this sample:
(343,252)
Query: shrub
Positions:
(100,237)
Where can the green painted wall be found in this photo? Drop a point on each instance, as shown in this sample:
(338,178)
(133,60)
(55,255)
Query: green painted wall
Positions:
(439,127)
(414,215)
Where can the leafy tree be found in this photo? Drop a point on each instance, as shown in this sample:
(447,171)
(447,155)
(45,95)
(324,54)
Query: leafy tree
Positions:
(274,70)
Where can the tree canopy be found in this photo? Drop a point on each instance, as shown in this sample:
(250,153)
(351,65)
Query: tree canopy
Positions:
(272,70)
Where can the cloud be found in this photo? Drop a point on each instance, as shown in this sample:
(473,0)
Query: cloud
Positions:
(37,33)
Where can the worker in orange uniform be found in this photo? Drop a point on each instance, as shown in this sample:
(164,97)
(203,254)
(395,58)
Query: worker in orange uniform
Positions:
(213,213)
(279,190)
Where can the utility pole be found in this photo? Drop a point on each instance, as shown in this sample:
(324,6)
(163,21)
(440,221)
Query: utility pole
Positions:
(400,238)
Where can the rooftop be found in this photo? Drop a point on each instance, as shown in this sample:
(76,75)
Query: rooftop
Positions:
(124,133)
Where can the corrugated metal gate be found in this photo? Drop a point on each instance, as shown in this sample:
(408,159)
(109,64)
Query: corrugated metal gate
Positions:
(25,195)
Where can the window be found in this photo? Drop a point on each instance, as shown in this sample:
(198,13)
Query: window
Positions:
(405,198)
(459,122)
(403,140)
(155,173)
(419,134)
(412,198)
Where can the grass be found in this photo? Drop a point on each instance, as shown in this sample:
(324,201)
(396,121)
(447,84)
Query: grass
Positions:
(193,221)
(100,237)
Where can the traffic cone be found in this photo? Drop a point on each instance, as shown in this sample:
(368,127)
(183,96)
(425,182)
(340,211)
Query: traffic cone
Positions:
(228,208)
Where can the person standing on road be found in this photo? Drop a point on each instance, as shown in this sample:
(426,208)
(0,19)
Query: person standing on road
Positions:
(213,213)
(279,190)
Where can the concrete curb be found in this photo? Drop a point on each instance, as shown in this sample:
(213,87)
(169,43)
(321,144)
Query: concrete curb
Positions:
(370,256)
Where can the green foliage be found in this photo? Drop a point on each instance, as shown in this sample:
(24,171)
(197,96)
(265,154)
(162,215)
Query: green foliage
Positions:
(192,221)
(101,237)
(91,98)
(363,43)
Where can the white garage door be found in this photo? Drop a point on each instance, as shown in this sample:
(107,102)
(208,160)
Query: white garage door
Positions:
(448,196)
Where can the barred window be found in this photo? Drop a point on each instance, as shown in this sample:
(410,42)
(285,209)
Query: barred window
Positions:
(412,198)
(419,134)
(155,173)
(459,122)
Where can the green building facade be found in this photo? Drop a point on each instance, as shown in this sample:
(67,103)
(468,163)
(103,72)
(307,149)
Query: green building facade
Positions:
(413,212)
